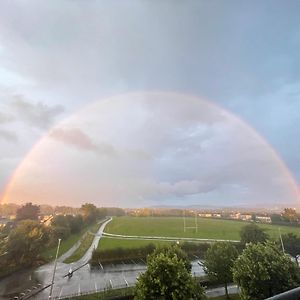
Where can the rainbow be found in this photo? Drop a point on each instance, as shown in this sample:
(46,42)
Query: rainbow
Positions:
(13,181)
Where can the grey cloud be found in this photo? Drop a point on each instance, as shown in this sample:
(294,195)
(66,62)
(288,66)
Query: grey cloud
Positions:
(8,135)
(78,139)
(38,114)
(5,118)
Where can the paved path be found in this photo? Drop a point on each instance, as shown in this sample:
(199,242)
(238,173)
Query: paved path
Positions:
(163,238)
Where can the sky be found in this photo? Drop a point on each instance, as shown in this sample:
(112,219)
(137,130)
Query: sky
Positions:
(141,103)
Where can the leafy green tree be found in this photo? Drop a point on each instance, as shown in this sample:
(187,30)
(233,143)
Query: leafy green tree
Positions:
(291,243)
(290,215)
(218,262)
(89,212)
(276,218)
(252,233)
(167,278)
(28,211)
(25,242)
(262,271)
(75,223)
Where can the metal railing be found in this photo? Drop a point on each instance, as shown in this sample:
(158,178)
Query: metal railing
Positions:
(293,294)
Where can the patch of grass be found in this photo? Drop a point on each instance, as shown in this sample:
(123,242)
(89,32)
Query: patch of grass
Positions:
(84,246)
(173,227)
(66,244)
(108,243)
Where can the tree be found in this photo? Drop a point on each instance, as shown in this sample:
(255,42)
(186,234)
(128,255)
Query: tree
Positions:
(167,277)
(218,262)
(28,212)
(291,243)
(75,223)
(89,212)
(262,271)
(26,241)
(252,233)
(290,215)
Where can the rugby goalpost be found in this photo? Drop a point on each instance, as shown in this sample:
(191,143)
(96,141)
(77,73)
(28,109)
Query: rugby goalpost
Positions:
(190,227)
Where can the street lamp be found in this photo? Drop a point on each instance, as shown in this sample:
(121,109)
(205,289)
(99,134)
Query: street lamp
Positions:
(55,263)
(282,246)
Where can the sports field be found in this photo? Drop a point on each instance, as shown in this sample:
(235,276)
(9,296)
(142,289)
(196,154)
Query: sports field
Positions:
(173,227)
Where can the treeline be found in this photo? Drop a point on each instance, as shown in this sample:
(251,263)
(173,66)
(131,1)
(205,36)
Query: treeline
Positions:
(11,209)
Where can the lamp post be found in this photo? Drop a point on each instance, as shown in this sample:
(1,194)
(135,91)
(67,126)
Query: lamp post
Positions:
(282,246)
(55,263)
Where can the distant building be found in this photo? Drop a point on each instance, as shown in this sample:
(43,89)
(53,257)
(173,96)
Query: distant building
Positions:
(205,215)
(263,219)
(47,220)
(3,222)
(216,215)
(235,216)
(246,217)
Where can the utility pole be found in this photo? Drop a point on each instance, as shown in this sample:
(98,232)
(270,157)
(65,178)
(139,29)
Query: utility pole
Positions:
(55,263)
(184,221)
(282,246)
(196,221)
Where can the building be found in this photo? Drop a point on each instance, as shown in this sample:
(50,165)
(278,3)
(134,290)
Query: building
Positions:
(263,219)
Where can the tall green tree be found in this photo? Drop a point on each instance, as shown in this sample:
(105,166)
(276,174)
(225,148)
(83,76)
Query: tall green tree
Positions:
(290,215)
(89,212)
(26,241)
(262,270)
(291,243)
(28,211)
(167,278)
(218,262)
(252,233)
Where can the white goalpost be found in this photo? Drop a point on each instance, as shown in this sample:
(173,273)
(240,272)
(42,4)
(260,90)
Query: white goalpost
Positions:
(190,227)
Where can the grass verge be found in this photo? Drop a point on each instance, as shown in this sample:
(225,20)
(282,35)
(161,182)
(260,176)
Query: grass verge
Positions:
(85,244)
(66,244)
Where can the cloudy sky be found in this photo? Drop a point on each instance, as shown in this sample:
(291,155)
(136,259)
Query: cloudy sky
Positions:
(105,85)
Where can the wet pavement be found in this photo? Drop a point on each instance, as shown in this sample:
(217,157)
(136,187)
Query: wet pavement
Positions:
(84,280)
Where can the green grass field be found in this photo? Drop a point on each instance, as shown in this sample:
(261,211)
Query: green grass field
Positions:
(108,243)
(84,246)
(173,227)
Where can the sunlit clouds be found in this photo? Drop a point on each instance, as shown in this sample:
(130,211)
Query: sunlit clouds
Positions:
(147,149)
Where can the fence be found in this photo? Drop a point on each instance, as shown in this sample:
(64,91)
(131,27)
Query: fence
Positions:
(116,291)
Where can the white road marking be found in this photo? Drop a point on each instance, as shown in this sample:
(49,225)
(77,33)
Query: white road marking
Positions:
(126,282)
(60,292)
